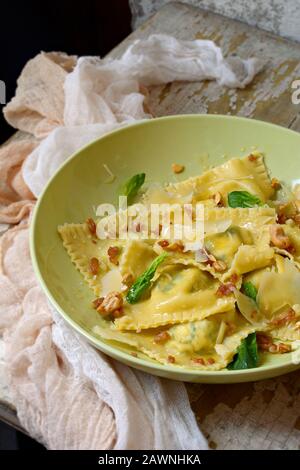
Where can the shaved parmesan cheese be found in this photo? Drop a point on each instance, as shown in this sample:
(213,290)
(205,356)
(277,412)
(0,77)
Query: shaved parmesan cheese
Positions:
(248,308)
(111,176)
(201,256)
(221,333)
(111,281)
(278,289)
(193,246)
(217,226)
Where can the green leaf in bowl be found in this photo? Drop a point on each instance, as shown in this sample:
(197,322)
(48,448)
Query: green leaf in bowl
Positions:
(247,354)
(243,199)
(132,186)
(250,290)
(143,282)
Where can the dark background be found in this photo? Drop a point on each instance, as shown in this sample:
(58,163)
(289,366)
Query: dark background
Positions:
(89,27)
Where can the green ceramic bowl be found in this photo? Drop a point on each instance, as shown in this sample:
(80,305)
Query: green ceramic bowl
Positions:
(150,147)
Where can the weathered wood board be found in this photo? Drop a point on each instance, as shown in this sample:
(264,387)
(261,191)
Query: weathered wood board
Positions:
(267,98)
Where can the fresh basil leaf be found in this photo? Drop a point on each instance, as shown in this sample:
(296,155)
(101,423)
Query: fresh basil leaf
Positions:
(243,199)
(131,187)
(250,290)
(143,282)
(247,354)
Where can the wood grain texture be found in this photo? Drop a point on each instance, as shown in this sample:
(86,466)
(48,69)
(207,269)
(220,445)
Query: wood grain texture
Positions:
(267,98)
(280,17)
(262,415)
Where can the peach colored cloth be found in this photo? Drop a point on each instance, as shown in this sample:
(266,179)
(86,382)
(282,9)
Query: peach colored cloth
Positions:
(67,394)
(55,405)
(12,156)
(37,108)
(64,390)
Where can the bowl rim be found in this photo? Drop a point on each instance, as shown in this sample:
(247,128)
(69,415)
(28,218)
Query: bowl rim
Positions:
(223,375)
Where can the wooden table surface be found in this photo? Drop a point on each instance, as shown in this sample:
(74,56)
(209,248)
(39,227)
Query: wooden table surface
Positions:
(260,415)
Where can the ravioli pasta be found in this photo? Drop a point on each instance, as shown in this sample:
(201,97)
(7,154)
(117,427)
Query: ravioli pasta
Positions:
(180,294)
(196,340)
(190,305)
(234,175)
